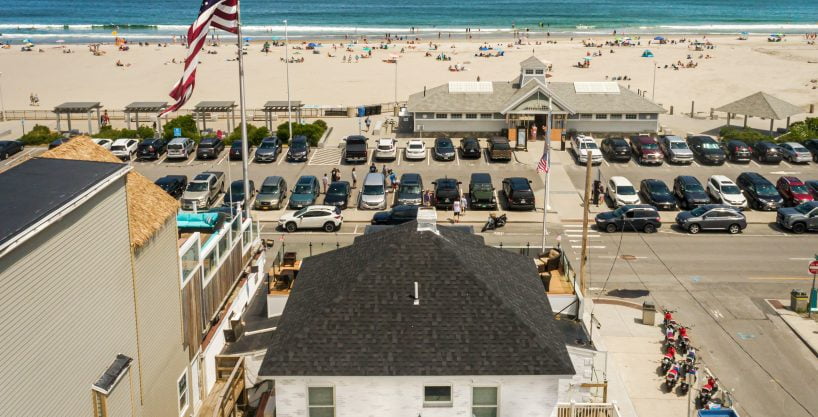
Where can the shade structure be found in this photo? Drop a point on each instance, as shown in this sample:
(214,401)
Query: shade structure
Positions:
(277,106)
(148,108)
(78,107)
(204,108)
(761,105)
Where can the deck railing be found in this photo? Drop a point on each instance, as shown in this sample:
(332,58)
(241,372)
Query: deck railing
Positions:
(587,410)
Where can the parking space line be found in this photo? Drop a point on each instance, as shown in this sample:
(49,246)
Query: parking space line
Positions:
(280,158)
(190,161)
(754,163)
(222,160)
(786,163)
(606,163)
(457,158)
(162,159)
(696,164)
(399,157)
(428,159)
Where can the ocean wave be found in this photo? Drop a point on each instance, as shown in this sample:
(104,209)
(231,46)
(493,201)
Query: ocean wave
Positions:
(742,27)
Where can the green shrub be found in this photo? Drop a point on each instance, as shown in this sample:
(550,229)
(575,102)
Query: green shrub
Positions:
(801,131)
(254,134)
(313,131)
(39,135)
(748,136)
(188,125)
(108,132)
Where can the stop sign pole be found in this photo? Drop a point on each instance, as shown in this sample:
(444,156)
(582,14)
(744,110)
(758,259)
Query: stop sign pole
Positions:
(813,269)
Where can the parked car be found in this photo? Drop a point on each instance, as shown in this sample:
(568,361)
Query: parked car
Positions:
(737,151)
(268,150)
(338,194)
(447,191)
(767,152)
(57,142)
(812,187)
(272,194)
(151,148)
(706,149)
(725,191)
(373,194)
(499,149)
(174,185)
(415,150)
(444,149)
(795,153)
(621,192)
(209,148)
(518,193)
(397,215)
(481,192)
(799,219)
(305,193)
(656,193)
(675,149)
(9,147)
(105,143)
(615,149)
(180,148)
(812,146)
(712,217)
(690,192)
(124,149)
(327,218)
(355,149)
(581,144)
(470,148)
(630,217)
(236,150)
(386,149)
(235,194)
(299,149)
(410,190)
(646,149)
(760,192)
(203,190)
(793,190)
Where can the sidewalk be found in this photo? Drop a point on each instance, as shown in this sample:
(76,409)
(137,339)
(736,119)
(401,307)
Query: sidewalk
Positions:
(805,328)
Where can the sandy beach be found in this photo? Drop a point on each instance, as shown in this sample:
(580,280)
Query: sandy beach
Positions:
(735,69)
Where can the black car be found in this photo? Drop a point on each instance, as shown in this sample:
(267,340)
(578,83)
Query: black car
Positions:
(209,148)
(767,152)
(518,193)
(447,191)
(706,150)
(690,192)
(338,194)
(235,150)
(235,195)
(9,147)
(760,192)
(173,184)
(470,148)
(58,142)
(737,151)
(615,149)
(812,146)
(481,192)
(444,149)
(398,215)
(656,193)
(631,217)
(151,148)
(410,190)
(299,149)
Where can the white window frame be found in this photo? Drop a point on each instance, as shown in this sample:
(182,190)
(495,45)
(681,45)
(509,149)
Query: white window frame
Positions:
(471,116)
(186,392)
(600,116)
(486,115)
(332,387)
(496,406)
(438,404)
(616,116)
(539,72)
(631,116)
(529,72)
(441,115)
(456,116)
(586,116)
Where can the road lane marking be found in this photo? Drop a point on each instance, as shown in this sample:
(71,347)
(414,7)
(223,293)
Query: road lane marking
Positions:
(779,279)
(589,247)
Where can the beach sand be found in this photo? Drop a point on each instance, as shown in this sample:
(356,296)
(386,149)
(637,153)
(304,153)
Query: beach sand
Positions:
(736,69)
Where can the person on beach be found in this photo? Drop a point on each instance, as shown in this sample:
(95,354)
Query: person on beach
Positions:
(354,178)
(325,182)
(456,209)
(464,203)
(105,120)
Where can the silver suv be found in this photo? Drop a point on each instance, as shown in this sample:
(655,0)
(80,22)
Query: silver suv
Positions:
(373,196)
(675,149)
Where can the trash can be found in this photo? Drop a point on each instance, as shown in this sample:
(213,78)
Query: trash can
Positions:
(798,301)
(648,313)
(352,111)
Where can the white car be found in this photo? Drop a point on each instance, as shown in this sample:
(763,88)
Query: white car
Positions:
(621,192)
(796,153)
(124,149)
(327,218)
(386,148)
(725,191)
(105,143)
(415,150)
(581,144)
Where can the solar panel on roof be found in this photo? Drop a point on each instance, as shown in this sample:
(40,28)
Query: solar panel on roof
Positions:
(471,87)
(596,87)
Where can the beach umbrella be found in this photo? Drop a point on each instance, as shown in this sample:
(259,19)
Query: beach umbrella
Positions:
(26,40)
(659,38)
(367,49)
(587,58)
(312,44)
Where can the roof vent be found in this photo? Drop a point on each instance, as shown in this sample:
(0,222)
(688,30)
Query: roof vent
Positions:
(427,220)
(417,295)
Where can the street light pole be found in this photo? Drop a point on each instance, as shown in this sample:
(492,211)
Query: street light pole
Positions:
(287,70)
(396,83)
(653,89)
(3,106)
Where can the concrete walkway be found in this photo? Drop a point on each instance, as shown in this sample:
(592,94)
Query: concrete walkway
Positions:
(805,328)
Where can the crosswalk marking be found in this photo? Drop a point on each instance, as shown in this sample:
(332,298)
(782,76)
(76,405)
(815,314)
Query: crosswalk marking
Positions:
(326,156)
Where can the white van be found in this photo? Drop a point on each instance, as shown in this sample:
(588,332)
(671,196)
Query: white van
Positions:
(180,148)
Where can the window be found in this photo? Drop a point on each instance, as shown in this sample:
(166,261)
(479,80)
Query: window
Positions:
(539,72)
(321,401)
(585,116)
(223,243)
(100,407)
(190,260)
(485,115)
(437,396)
(499,116)
(601,117)
(457,116)
(630,116)
(484,402)
(471,115)
(441,116)
(616,117)
(210,262)
(529,72)
(181,393)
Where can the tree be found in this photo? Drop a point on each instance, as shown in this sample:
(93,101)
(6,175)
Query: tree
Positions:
(39,135)
(748,136)
(186,123)
(254,134)
(313,131)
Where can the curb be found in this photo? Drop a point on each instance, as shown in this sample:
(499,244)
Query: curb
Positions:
(812,348)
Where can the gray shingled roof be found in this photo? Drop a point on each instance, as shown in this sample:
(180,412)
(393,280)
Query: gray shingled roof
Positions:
(482,311)
(625,102)
(532,62)
(763,105)
(439,99)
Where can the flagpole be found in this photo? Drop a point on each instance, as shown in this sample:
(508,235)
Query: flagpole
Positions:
(287,71)
(244,147)
(547,191)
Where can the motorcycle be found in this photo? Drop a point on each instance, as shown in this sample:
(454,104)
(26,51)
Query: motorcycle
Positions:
(684,340)
(494,222)
(672,377)
(670,339)
(669,359)
(690,358)
(707,390)
(688,379)
(668,320)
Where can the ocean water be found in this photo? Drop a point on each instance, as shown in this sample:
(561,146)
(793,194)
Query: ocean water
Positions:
(86,20)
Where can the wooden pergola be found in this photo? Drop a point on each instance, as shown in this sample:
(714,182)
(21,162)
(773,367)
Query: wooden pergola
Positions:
(272,107)
(761,105)
(151,108)
(227,107)
(77,107)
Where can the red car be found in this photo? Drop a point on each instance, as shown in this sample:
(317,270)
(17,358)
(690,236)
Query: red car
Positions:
(793,190)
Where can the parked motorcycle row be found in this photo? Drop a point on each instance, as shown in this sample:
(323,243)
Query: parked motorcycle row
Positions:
(683,372)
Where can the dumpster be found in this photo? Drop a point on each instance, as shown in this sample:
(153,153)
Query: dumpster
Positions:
(361,111)
(798,301)
(648,313)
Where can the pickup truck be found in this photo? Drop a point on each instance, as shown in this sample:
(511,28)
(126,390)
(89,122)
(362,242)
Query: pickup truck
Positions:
(203,190)
(800,218)
(355,149)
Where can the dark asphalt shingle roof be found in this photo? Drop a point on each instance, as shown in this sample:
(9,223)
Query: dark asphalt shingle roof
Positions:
(482,311)
(37,187)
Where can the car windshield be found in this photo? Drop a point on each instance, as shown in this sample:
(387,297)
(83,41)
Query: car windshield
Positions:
(337,189)
(625,190)
(481,187)
(698,211)
(804,208)
(410,189)
(117,148)
(237,188)
(678,145)
(694,188)
(175,146)
(267,145)
(206,145)
(373,189)
(385,147)
(650,146)
(710,145)
(446,185)
(197,186)
(236,145)
(445,145)
(729,189)
(302,188)
(658,188)
(799,149)
(766,189)
(298,146)
(501,146)
(587,145)
(415,146)
(799,189)
(269,189)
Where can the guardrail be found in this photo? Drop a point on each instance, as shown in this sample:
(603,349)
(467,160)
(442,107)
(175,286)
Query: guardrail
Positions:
(587,410)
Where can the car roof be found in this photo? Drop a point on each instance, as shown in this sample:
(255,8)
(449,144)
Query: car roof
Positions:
(517,181)
(415,141)
(814,204)
(237,144)
(273,179)
(442,180)
(443,139)
(346,183)
(722,179)
(179,140)
(480,177)
(170,178)
(638,206)
(388,140)
(654,181)
(617,180)
(618,139)
(305,179)
(792,180)
(376,177)
(270,139)
(499,139)
(709,207)
(754,177)
(410,178)
(673,138)
(301,138)
(321,207)
(688,179)
(122,141)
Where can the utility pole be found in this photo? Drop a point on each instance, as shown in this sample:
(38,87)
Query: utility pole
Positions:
(583,261)
(287,71)
(653,89)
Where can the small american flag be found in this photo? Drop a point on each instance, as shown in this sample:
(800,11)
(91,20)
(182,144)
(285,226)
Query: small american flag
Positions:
(220,14)
(542,166)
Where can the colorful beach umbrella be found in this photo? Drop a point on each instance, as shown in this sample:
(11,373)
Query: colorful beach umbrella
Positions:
(659,38)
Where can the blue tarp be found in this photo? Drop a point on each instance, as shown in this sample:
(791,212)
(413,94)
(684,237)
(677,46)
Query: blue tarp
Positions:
(200,222)
(659,38)
(725,412)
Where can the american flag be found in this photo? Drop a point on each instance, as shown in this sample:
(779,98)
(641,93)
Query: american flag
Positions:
(220,14)
(542,166)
